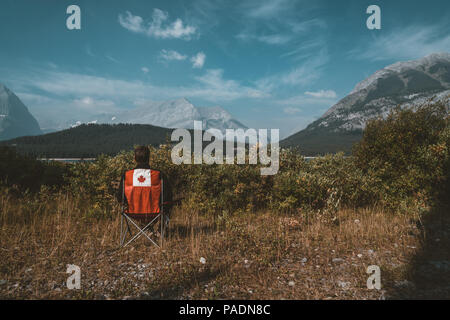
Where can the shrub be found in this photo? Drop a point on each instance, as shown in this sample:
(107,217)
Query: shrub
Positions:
(408,152)
(326,182)
(26,173)
(400,161)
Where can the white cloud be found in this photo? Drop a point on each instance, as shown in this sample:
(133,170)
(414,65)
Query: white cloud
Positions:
(89,51)
(132,23)
(409,42)
(62,89)
(285,31)
(51,112)
(279,22)
(77,97)
(274,39)
(297,107)
(322,94)
(100,105)
(170,55)
(145,70)
(112,58)
(268,39)
(302,26)
(198,60)
(317,103)
(87,101)
(214,85)
(157,28)
(303,50)
(264,9)
(67,85)
(207,13)
(33,98)
(291,110)
(303,74)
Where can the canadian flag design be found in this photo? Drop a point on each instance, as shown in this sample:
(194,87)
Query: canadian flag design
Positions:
(142,178)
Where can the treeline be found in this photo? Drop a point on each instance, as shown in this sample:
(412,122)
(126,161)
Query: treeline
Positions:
(90,140)
(322,141)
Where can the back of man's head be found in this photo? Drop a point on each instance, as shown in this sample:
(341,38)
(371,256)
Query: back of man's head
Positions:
(142,154)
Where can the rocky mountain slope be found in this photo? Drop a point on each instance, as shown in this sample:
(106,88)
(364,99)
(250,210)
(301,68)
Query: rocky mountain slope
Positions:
(408,84)
(15,119)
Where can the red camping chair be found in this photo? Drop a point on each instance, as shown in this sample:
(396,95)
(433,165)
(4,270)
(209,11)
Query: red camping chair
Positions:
(143,189)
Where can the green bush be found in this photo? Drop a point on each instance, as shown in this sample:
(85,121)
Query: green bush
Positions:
(401,161)
(408,153)
(207,188)
(323,183)
(26,173)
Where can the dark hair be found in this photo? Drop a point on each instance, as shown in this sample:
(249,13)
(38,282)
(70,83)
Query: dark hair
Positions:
(141,154)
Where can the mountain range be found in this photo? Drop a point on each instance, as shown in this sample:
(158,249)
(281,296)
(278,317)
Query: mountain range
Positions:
(408,84)
(17,121)
(405,84)
(179,113)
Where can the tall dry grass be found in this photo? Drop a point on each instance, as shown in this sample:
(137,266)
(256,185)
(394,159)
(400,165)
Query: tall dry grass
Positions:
(253,255)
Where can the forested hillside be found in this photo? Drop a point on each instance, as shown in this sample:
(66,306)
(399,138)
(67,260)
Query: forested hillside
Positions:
(90,140)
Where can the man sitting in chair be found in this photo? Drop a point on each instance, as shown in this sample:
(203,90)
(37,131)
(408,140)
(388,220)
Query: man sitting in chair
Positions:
(142,169)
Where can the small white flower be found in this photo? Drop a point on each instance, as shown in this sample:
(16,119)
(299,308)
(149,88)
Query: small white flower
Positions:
(202,260)
(359,255)
(291,283)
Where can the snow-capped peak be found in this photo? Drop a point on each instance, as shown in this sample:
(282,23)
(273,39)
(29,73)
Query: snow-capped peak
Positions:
(178,113)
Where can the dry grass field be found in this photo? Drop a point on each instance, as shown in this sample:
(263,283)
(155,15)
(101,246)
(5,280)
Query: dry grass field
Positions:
(261,255)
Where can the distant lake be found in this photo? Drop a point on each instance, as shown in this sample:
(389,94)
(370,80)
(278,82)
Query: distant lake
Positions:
(68,160)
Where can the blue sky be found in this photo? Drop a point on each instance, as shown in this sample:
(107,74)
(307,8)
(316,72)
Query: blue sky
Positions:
(271,63)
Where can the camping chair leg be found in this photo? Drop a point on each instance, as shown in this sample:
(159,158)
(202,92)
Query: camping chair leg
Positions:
(161,218)
(141,231)
(128,227)
(123,231)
